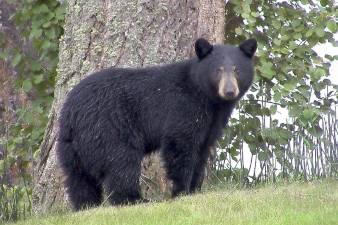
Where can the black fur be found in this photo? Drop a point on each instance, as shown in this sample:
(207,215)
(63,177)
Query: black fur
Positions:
(202,48)
(249,47)
(113,118)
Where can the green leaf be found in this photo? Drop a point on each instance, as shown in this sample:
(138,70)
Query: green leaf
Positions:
(222,156)
(273,109)
(294,111)
(50,33)
(316,131)
(276,24)
(320,32)
(309,114)
(317,74)
(27,85)
(35,33)
(16,60)
(36,24)
(277,42)
(332,26)
(238,31)
(46,44)
(255,14)
(38,79)
(276,135)
(40,8)
(267,70)
(296,23)
(262,156)
(3,55)
(29,118)
(290,86)
(59,13)
(277,96)
(324,2)
(233,152)
(297,36)
(2,166)
(46,25)
(309,33)
(35,66)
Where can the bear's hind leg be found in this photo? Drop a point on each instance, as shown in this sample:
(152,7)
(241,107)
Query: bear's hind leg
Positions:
(83,191)
(122,182)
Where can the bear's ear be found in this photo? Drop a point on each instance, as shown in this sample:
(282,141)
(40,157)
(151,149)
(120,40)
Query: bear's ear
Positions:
(202,48)
(249,47)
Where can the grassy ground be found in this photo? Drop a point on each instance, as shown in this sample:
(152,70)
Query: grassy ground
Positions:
(298,203)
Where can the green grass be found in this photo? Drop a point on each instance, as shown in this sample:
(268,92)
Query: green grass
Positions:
(297,203)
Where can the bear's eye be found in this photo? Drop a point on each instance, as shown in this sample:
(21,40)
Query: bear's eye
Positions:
(235,71)
(220,69)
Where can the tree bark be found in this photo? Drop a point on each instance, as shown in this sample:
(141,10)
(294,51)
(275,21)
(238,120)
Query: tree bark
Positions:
(120,33)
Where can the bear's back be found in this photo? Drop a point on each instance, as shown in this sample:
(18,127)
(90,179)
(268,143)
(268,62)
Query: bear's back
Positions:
(142,98)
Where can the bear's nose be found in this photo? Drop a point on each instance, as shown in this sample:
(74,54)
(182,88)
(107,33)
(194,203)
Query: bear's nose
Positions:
(230,95)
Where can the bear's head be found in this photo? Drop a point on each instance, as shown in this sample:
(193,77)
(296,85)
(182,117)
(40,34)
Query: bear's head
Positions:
(224,72)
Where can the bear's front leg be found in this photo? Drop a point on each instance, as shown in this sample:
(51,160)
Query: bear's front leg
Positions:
(180,160)
(199,171)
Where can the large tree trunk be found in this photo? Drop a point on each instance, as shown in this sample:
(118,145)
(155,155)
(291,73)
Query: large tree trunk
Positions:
(137,33)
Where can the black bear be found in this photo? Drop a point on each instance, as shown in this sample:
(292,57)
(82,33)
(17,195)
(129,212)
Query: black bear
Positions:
(114,117)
